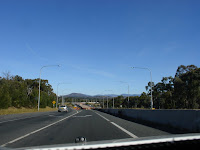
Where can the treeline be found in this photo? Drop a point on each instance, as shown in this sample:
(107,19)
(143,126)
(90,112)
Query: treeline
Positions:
(18,92)
(179,92)
(142,101)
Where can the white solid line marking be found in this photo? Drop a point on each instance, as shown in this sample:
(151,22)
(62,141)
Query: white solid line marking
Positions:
(102,116)
(124,130)
(19,138)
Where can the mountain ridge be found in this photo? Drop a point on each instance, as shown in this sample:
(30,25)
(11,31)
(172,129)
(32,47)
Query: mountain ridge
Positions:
(80,95)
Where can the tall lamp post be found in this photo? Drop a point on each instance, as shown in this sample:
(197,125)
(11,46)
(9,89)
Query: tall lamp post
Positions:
(128,90)
(57,92)
(40,81)
(103,98)
(62,96)
(103,101)
(113,102)
(151,82)
(107,98)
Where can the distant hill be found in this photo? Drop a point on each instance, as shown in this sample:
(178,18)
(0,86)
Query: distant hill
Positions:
(77,95)
(115,95)
(80,95)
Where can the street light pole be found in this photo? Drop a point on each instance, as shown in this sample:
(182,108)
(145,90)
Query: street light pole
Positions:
(40,81)
(128,95)
(39,90)
(151,90)
(62,96)
(151,83)
(107,98)
(57,92)
(57,96)
(128,91)
(107,102)
(113,102)
(103,101)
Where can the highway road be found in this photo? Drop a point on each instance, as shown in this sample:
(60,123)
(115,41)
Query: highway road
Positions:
(61,128)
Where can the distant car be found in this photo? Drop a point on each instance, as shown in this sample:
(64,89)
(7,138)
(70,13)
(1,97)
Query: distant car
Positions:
(62,108)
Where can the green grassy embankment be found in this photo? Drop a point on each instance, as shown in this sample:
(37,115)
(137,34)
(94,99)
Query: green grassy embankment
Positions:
(13,110)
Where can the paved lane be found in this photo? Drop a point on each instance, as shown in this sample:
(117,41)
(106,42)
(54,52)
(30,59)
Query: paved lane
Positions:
(12,128)
(93,125)
(136,128)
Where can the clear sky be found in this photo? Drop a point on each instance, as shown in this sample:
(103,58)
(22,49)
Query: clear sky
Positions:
(97,41)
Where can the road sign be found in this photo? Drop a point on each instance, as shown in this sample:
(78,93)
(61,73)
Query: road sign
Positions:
(54,102)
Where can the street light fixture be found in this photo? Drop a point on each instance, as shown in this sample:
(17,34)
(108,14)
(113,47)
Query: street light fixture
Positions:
(113,99)
(151,83)
(113,102)
(128,90)
(62,96)
(57,92)
(103,97)
(107,98)
(40,81)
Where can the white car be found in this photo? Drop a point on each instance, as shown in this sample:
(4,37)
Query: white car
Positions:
(62,108)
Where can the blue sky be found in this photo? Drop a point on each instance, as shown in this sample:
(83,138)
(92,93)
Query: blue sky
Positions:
(97,41)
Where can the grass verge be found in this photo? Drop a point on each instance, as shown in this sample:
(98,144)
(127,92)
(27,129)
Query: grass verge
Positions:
(13,110)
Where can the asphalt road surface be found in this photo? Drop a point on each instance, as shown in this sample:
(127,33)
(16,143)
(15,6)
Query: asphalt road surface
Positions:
(61,128)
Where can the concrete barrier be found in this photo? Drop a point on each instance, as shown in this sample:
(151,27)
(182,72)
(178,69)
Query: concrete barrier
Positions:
(180,119)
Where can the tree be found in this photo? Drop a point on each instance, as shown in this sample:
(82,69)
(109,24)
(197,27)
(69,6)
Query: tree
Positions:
(5,99)
(134,101)
(162,93)
(186,87)
(17,92)
(144,101)
(119,100)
